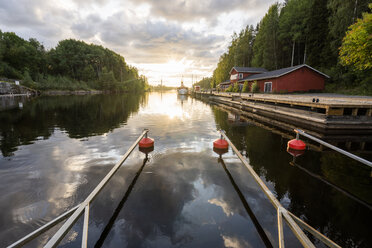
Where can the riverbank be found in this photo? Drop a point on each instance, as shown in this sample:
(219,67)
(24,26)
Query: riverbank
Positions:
(70,92)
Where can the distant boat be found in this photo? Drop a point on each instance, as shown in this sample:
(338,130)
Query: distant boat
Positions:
(182,90)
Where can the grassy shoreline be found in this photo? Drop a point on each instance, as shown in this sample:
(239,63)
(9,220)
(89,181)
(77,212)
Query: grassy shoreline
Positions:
(70,92)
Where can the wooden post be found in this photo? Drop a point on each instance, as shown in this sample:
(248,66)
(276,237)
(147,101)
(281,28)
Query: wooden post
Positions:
(362,145)
(334,111)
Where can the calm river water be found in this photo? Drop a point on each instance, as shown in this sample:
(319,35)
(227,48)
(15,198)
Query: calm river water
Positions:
(55,150)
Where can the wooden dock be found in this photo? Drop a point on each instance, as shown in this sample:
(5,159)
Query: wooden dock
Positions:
(317,112)
(356,143)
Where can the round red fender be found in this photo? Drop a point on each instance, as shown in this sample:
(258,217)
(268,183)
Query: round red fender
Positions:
(146,143)
(296,144)
(220,144)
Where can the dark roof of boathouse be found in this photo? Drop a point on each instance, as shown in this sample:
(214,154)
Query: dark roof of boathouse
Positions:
(279,73)
(248,69)
(225,82)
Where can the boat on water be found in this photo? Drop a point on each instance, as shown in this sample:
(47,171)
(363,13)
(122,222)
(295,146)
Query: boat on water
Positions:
(182,90)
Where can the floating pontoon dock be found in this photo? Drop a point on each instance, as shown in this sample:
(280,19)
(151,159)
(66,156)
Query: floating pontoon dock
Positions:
(317,112)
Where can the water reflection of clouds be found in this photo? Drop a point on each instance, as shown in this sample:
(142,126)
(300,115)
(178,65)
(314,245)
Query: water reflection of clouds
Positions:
(187,201)
(234,242)
(30,212)
(153,207)
(54,170)
(224,205)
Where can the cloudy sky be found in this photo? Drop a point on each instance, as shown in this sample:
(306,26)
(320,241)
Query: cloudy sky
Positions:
(163,39)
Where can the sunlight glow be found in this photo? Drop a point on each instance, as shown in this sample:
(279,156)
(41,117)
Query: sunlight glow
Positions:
(172,72)
(174,66)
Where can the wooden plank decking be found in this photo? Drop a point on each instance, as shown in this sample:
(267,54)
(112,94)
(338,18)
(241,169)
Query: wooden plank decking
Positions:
(330,112)
(325,103)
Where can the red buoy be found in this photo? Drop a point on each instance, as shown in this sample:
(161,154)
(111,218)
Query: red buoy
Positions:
(220,144)
(296,144)
(146,143)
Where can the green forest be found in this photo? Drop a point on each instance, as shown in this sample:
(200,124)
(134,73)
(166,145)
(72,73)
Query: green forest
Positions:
(204,83)
(71,65)
(333,36)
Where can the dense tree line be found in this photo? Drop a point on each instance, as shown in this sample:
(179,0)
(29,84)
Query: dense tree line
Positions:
(161,87)
(297,32)
(356,48)
(204,83)
(72,64)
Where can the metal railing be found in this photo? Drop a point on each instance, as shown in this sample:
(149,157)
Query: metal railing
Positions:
(350,155)
(292,221)
(74,213)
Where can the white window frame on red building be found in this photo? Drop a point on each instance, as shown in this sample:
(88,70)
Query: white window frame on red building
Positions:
(271,87)
(234,77)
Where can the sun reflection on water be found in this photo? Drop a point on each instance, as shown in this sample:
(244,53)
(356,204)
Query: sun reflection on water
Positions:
(168,105)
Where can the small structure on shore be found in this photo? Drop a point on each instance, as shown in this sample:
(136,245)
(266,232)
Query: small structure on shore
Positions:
(224,85)
(291,79)
(10,88)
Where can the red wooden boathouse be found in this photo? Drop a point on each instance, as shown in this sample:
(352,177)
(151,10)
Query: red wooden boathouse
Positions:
(238,73)
(291,79)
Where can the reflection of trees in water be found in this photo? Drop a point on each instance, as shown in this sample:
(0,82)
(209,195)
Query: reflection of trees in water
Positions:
(333,213)
(79,116)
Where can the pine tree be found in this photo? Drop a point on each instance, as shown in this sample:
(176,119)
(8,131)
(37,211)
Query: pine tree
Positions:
(318,48)
(265,48)
(293,30)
